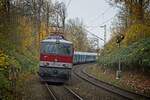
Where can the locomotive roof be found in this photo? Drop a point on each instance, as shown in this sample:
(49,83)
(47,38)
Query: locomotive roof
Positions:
(85,53)
(56,40)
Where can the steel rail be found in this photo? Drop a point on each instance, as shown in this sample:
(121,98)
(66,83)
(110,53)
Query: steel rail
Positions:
(82,71)
(51,92)
(73,93)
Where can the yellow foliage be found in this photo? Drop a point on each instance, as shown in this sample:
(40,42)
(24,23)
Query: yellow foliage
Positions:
(111,45)
(3,60)
(26,35)
(136,32)
(43,33)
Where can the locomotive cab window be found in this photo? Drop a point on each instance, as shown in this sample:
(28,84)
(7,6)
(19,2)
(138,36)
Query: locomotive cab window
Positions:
(56,48)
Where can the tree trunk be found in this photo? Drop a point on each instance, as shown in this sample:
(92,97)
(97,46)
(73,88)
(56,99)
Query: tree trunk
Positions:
(138,11)
(141,11)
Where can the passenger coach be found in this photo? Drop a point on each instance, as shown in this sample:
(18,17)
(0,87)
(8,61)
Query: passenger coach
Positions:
(84,57)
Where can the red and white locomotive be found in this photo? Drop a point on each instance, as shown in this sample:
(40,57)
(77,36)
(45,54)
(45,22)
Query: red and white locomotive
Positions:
(56,59)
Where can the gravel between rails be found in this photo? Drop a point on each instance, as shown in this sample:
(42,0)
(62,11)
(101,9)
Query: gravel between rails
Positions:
(62,92)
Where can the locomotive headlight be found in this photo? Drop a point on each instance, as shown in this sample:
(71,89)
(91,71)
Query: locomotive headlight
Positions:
(42,63)
(66,65)
(45,63)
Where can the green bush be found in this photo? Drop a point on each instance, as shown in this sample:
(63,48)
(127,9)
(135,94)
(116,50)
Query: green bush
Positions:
(24,62)
(135,56)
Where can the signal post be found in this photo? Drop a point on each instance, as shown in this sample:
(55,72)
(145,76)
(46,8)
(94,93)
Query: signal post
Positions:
(119,38)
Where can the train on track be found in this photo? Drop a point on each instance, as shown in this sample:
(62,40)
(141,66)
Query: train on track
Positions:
(57,57)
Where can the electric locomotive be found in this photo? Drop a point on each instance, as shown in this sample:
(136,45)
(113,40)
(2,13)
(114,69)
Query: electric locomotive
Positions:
(56,58)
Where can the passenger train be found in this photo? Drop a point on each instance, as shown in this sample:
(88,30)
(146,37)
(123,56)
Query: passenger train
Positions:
(57,57)
(84,57)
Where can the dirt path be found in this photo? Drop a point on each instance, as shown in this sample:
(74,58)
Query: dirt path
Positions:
(34,90)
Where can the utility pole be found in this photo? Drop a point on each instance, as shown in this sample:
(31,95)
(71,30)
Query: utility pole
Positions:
(97,40)
(104,26)
(96,43)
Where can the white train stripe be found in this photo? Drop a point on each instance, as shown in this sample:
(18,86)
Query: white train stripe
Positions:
(55,64)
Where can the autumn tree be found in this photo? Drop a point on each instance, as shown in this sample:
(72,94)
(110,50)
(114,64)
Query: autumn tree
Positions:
(135,8)
(75,32)
(58,16)
(132,19)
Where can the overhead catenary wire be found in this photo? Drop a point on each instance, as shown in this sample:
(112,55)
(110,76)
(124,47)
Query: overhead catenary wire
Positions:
(93,34)
(101,14)
(68,4)
(102,22)
(108,20)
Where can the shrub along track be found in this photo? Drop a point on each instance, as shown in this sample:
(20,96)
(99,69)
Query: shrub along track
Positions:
(81,73)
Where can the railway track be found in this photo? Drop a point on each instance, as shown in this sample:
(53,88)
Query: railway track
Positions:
(62,93)
(81,73)
(53,96)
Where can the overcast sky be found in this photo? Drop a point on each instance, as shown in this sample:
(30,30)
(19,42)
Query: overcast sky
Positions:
(93,13)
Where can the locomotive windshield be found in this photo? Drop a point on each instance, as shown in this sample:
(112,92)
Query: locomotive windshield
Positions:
(54,48)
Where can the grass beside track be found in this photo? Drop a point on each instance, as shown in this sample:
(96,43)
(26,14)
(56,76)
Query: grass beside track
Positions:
(132,81)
